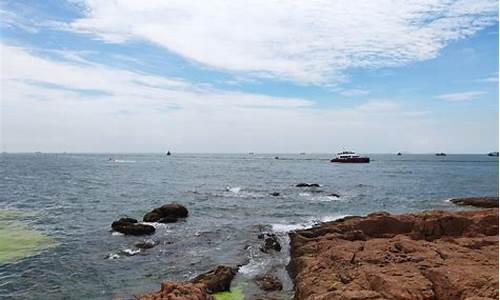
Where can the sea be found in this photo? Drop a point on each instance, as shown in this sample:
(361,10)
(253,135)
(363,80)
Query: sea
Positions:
(62,205)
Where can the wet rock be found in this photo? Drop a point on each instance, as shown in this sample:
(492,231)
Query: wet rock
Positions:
(303,184)
(132,227)
(218,280)
(178,291)
(275,194)
(168,213)
(146,244)
(431,255)
(484,202)
(271,242)
(268,283)
(199,288)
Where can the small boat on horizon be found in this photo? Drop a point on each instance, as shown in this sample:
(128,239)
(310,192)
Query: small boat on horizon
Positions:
(168,153)
(493,154)
(350,157)
(399,154)
(440,154)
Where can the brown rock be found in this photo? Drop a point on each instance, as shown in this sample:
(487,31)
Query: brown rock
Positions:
(431,255)
(484,202)
(200,288)
(269,283)
(178,291)
(218,280)
(132,227)
(168,213)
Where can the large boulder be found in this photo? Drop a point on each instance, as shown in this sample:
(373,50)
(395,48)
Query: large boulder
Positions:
(132,227)
(168,213)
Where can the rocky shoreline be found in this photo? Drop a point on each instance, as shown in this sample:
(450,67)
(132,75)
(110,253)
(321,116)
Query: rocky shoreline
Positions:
(428,255)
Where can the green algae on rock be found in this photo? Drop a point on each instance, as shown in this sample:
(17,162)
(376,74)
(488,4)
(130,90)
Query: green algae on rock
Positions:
(235,294)
(17,240)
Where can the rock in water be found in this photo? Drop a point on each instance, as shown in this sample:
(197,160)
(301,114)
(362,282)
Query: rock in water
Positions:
(271,242)
(268,283)
(132,227)
(146,244)
(218,280)
(431,255)
(168,213)
(484,202)
(303,184)
(275,194)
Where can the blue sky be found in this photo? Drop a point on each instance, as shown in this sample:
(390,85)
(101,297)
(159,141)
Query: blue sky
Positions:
(123,76)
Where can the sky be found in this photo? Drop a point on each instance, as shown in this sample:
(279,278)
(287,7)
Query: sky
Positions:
(380,76)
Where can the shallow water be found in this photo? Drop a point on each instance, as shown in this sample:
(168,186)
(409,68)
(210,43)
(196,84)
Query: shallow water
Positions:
(76,197)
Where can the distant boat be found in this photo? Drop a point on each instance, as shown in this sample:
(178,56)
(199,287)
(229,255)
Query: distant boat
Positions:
(251,153)
(350,157)
(302,153)
(441,154)
(399,154)
(493,154)
(168,153)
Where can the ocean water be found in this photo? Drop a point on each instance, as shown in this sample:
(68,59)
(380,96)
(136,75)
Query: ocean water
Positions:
(73,198)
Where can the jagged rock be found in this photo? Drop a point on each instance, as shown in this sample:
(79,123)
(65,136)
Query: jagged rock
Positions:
(132,227)
(431,255)
(178,291)
(218,280)
(199,288)
(303,184)
(168,213)
(484,202)
(268,283)
(271,242)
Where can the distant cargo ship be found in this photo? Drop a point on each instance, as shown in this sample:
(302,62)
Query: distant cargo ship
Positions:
(350,157)
(441,154)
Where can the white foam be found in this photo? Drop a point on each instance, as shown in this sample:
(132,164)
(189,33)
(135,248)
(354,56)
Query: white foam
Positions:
(130,252)
(116,233)
(235,189)
(285,228)
(253,267)
(113,256)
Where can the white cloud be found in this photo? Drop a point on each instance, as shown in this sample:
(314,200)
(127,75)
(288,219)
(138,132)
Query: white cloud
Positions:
(46,106)
(461,96)
(303,41)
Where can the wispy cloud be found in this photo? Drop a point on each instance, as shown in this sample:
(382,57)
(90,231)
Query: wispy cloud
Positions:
(461,96)
(92,107)
(305,41)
